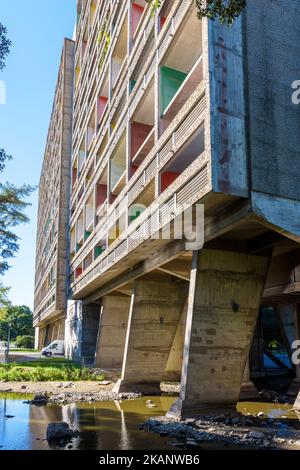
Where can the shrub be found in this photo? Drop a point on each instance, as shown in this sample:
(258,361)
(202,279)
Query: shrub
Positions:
(14,373)
(26,342)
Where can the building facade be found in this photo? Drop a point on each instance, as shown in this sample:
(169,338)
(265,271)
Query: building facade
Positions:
(179,120)
(51,277)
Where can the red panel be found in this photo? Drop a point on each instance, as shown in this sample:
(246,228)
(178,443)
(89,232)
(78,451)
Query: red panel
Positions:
(137,11)
(139,133)
(101,194)
(167,178)
(162,21)
(78,272)
(74,176)
(101,107)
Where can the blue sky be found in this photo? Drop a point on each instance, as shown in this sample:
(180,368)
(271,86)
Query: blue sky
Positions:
(37,29)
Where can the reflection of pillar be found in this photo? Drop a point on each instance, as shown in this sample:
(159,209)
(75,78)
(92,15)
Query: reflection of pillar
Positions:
(224,297)
(155,312)
(125,436)
(295,385)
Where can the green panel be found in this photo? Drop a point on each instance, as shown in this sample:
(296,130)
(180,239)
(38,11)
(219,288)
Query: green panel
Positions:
(99,250)
(132,85)
(170,82)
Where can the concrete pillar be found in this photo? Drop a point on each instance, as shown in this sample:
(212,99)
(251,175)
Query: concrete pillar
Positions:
(36,337)
(248,390)
(155,312)
(256,356)
(174,363)
(90,325)
(224,297)
(112,331)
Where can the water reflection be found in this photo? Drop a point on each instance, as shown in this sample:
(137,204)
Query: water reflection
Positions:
(107,425)
(103,426)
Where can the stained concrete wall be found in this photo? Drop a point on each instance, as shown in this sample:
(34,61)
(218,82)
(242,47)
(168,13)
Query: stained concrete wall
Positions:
(273,50)
(90,326)
(112,332)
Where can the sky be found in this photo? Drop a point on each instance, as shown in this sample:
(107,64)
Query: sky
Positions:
(37,29)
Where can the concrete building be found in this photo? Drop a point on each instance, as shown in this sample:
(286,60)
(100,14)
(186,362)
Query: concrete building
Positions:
(171,114)
(51,278)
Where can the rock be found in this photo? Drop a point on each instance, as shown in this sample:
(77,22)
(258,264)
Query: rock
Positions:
(40,400)
(260,414)
(149,402)
(219,419)
(23,387)
(104,382)
(59,431)
(151,405)
(256,435)
(70,446)
(191,443)
(235,421)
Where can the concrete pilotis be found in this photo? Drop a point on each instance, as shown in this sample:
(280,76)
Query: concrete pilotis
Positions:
(112,331)
(156,309)
(224,296)
(90,325)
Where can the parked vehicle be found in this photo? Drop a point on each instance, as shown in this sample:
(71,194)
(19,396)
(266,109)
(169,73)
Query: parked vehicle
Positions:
(3,346)
(56,348)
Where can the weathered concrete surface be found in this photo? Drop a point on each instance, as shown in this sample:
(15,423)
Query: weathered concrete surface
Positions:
(248,390)
(155,312)
(224,297)
(90,325)
(174,363)
(112,332)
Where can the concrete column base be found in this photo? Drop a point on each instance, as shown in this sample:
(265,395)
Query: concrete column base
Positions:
(155,312)
(224,298)
(145,388)
(248,391)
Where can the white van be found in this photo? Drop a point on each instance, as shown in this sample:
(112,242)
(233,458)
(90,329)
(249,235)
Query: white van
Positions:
(56,348)
(3,346)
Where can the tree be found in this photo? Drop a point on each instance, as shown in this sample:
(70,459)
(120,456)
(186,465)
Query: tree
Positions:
(12,213)
(20,320)
(12,198)
(226,11)
(5,44)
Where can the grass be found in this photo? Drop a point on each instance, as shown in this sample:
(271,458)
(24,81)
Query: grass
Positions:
(52,370)
(23,350)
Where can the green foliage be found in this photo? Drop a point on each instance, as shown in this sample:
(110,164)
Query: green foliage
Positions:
(25,342)
(155,5)
(20,319)
(47,373)
(5,44)
(226,11)
(104,35)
